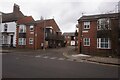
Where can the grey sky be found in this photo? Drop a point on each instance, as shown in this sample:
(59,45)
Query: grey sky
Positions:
(65,12)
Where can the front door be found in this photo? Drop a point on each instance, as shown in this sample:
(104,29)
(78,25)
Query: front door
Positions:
(11,42)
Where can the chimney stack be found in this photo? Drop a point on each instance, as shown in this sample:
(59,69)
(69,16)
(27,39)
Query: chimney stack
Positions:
(16,8)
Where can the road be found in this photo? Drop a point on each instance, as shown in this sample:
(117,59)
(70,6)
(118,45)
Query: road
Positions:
(51,64)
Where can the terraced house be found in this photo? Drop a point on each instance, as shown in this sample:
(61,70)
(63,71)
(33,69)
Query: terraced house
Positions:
(8,26)
(38,34)
(99,34)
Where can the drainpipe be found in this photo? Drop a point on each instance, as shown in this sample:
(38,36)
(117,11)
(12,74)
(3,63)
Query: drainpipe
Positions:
(81,36)
(34,37)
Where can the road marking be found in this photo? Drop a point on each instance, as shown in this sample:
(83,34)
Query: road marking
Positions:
(38,56)
(61,58)
(53,57)
(45,57)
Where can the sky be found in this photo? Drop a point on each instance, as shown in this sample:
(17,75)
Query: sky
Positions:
(65,12)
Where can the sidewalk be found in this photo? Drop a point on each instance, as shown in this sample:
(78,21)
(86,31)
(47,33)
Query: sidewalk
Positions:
(104,60)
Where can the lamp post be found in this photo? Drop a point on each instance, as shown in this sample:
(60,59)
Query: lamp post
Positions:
(76,35)
(44,35)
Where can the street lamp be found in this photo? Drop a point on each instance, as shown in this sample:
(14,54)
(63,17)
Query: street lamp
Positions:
(76,35)
(44,35)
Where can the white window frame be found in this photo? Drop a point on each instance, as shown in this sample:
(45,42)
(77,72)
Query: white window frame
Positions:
(31,28)
(31,40)
(100,43)
(21,41)
(101,22)
(86,41)
(68,37)
(87,25)
(23,27)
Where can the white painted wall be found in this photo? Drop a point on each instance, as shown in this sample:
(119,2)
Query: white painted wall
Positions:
(11,28)
(0,47)
(72,43)
(0,29)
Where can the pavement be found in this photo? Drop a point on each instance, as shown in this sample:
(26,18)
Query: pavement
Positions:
(72,54)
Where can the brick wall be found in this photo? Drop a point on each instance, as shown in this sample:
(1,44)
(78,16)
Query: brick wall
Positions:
(38,33)
(92,34)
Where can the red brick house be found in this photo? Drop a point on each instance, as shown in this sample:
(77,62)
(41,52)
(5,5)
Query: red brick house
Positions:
(99,34)
(38,34)
(69,38)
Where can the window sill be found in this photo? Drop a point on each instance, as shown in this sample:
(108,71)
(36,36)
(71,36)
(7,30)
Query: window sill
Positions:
(86,28)
(104,48)
(31,30)
(86,45)
(30,44)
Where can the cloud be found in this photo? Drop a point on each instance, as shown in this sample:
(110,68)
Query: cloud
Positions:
(65,12)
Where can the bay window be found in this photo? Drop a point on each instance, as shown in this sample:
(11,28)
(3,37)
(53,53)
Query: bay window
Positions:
(103,43)
(103,24)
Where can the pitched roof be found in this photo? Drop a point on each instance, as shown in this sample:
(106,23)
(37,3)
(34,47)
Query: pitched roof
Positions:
(9,17)
(25,20)
(14,16)
(89,17)
(49,22)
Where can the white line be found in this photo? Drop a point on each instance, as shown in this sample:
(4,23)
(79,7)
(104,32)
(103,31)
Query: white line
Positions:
(53,57)
(45,57)
(38,56)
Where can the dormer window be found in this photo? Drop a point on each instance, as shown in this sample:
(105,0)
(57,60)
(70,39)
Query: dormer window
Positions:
(86,25)
(5,27)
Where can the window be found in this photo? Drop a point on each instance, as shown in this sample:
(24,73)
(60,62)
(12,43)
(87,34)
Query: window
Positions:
(22,29)
(4,40)
(22,41)
(86,41)
(31,28)
(30,40)
(68,37)
(103,24)
(5,27)
(86,25)
(51,31)
(103,43)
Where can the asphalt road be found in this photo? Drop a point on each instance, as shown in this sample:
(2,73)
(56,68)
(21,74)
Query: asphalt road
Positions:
(52,66)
